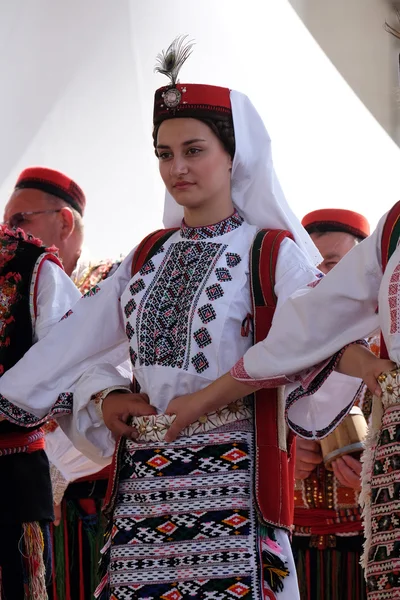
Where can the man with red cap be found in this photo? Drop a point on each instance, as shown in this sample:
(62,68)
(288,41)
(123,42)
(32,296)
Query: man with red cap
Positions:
(327,556)
(50,206)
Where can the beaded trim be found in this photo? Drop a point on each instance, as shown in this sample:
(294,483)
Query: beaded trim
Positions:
(211,231)
(34,281)
(154,427)
(390,382)
(32,290)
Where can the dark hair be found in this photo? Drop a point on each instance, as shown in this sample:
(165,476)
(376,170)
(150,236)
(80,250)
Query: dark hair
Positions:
(222,128)
(321,229)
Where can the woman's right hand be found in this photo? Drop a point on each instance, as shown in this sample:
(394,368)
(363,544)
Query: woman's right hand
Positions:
(118,407)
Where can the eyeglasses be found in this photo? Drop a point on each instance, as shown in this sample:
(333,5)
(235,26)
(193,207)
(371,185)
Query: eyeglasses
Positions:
(20,217)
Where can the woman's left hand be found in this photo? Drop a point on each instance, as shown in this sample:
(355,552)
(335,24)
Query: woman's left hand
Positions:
(373,368)
(190,407)
(187,409)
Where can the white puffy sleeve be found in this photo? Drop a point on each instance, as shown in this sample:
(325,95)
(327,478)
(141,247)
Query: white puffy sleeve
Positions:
(71,463)
(55,295)
(79,357)
(310,328)
(389,306)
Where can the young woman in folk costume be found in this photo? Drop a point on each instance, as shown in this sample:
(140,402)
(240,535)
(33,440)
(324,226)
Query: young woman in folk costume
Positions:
(208,514)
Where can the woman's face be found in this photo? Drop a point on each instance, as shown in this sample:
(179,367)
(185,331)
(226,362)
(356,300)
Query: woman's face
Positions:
(194,165)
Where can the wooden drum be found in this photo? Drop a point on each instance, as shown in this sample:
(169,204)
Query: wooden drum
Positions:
(347,438)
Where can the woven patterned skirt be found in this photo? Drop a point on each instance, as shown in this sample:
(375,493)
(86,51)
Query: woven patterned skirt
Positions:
(381,495)
(184,524)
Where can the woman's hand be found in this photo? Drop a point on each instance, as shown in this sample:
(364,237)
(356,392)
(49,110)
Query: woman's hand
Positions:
(358,361)
(308,456)
(371,371)
(348,471)
(119,407)
(187,409)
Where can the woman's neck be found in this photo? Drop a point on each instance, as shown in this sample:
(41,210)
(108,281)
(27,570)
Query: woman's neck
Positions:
(204,215)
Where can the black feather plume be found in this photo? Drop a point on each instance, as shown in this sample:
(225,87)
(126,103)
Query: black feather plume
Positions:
(169,62)
(393,30)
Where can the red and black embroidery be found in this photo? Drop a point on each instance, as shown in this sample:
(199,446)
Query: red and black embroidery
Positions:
(211,231)
(19,257)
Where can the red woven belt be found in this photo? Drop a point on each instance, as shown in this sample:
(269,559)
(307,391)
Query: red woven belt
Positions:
(325,521)
(18,443)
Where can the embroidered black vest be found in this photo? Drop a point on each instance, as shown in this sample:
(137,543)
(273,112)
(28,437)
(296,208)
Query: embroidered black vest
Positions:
(26,484)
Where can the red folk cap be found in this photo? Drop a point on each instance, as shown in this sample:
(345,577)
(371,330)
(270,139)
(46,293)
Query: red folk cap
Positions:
(55,183)
(337,219)
(191,100)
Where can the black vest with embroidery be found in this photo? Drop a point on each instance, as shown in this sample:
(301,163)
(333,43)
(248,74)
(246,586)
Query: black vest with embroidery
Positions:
(26,484)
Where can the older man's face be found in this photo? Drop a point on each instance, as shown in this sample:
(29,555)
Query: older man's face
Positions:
(332,245)
(41,224)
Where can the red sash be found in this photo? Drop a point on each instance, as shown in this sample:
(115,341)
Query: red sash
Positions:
(324,521)
(18,443)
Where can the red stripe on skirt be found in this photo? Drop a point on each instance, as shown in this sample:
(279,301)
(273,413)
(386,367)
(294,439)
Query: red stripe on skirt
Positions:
(67,583)
(308,574)
(53,563)
(81,578)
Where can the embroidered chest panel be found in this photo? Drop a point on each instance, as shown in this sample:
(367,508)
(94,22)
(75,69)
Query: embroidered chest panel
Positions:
(17,261)
(175,307)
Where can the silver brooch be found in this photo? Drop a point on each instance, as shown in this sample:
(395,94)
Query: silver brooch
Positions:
(172,97)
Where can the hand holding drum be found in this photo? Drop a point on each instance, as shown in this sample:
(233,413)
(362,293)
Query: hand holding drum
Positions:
(347,438)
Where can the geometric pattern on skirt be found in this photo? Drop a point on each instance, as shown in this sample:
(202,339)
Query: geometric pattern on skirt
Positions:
(383,570)
(184,524)
(381,495)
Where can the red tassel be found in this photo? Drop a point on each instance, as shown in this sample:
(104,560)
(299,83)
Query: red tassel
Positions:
(32,557)
(88,505)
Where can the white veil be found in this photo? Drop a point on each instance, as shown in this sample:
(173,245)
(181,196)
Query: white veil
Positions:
(256,192)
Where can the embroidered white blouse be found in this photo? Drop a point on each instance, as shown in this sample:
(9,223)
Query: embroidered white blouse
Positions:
(179,319)
(316,322)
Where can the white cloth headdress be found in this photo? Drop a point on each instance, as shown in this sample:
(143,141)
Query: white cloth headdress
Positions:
(256,192)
